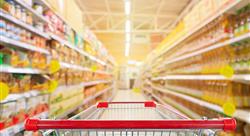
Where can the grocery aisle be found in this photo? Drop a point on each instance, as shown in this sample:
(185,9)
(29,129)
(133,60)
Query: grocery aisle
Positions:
(124,113)
(59,58)
(128,96)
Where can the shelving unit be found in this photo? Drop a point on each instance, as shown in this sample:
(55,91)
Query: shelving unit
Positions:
(20,127)
(64,66)
(77,67)
(24,25)
(221,11)
(212,47)
(96,82)
(174,106)
(187,70)
(9,69)
(241,114)
(86,100)
(64,42)
(34,13)
(72,66)
(10,42)
(241,77)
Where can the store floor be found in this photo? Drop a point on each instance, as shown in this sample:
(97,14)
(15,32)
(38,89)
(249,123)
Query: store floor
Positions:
(130,111)
(128,95)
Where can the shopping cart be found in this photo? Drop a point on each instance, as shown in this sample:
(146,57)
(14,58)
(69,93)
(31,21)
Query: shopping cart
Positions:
(130,119)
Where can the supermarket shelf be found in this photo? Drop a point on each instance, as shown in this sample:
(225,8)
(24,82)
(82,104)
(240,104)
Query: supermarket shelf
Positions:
(96,82)
(240,114)
(191,92)
(199,26)
(216,46)
(64,42)
(84,84)
(10,131)
(183,109)
(95,59)
(13,97)
(73,66)
(173,106)
(77,67)
(103,72)
(24,25)
(43,2)
(84,102)
(9,69)
(239,77)
(39,16)
(10,42)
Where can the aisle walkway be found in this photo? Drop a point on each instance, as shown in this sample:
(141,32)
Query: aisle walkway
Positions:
(128,95)
(130,111)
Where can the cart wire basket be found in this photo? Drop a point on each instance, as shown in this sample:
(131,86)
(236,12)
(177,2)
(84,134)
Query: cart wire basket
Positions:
(130,119)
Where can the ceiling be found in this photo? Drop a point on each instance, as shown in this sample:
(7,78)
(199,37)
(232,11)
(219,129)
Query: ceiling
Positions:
(106,18)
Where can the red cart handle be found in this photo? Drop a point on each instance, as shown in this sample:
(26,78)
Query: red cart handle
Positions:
(226,124)
(106,104)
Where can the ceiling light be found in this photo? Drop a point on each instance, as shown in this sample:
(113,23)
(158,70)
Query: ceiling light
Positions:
(127,7)
(127,26)
(61,5)
(127,46)
(134,62)
(128,37)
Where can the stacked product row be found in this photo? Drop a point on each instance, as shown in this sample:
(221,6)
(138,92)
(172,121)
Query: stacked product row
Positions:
(221,30)
(213,91)
(27,105)
(41,54)
(70,97)
(203,65)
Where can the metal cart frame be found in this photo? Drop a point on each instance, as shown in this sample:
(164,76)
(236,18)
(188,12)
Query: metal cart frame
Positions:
(91,123)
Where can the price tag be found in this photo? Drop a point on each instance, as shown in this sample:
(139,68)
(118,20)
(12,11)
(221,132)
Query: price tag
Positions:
(229,108)
(227,71)
(54,66)
(155,74)
(52,86)
(4,91)
(94,68)
(136,90)
(19,127)
(11,131)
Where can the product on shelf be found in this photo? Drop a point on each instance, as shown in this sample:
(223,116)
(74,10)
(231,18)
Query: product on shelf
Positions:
(92,90)
(37,7)
(14,9)
(20,83)
(23,106)
(66,54)
(219,30)
(237,56)
(24,26)
(7,111)
(56,25)
(65,98)
(22,59)
(200,110)
(15,32)
(214,91)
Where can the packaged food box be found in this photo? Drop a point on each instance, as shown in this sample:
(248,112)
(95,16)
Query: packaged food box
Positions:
(8,111)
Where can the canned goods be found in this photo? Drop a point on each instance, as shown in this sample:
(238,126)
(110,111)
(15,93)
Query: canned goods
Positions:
(2,27)
(18,12)
(38,8)
(39,26)
(23,15)
(12,7)
(29,18)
